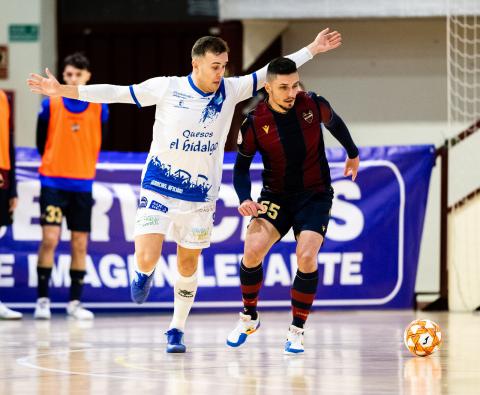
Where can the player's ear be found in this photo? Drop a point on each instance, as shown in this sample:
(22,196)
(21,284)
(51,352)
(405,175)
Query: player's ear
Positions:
(194,63)
(268,87)
(88,75)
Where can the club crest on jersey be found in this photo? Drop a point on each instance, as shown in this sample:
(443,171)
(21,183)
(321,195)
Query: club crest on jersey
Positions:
(75,127)
(308,116)
(266,128)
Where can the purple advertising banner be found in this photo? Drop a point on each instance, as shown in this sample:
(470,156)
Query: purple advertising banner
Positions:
(369,258)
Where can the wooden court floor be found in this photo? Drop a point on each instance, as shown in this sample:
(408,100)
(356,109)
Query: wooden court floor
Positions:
(359,352)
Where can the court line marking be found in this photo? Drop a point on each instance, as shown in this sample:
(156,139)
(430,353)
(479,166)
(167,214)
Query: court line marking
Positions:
(24,361)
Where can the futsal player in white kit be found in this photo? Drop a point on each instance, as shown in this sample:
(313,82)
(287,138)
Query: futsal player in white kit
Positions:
(182,174)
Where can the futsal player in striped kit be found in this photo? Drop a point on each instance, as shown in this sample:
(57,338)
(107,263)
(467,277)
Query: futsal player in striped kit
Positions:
(69,138)
(182,175)
(8,184)
(286,129)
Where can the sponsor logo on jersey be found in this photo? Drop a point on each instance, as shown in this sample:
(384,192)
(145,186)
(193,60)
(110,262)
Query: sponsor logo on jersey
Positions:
(266,128)
(143,202)
(154,205)
(181,104)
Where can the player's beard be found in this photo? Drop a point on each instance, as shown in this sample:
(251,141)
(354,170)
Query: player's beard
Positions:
(287,108)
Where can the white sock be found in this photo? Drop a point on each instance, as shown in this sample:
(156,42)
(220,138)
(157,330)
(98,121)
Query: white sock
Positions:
(137,268)
(184,295)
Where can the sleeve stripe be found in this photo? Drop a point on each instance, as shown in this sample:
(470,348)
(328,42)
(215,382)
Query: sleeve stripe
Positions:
(254,75)
(133,96)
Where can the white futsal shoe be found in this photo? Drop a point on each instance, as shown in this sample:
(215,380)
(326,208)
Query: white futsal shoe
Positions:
(42,309)
(76,310)
(294,343)
(8,314)
(245,326)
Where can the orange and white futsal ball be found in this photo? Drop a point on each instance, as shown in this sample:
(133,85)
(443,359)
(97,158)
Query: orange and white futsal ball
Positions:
(422,337)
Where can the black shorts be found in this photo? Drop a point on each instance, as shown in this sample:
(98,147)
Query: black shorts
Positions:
(300,211)
(75,206)
(6,216)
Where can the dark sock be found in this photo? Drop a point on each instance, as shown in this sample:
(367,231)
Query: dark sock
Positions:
(77,284)
(251,282)
(43,275)
(303,293)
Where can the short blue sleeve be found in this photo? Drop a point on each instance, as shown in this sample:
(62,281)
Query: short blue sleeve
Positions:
(44,113)
(105,113)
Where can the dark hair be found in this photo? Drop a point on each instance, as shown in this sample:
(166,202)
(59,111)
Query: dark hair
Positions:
(282,66)
(77,60)
(209,44)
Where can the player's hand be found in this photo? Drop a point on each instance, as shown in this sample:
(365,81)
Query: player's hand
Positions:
(325,41)
(12,204)
(351,167)
(249,208)
(1,180)
(45,86)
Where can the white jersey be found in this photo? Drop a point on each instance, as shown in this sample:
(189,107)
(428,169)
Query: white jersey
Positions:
(186,155)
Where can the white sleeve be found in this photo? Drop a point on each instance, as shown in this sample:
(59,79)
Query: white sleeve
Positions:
(300,58)
(147,93)
(248,85)
(244,87)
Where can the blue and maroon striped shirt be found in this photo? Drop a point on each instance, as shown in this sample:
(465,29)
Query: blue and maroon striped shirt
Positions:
(291,144)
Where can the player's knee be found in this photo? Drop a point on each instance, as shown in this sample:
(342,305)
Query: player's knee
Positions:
(146,258)
(307,260)
(252,257)
(49,241)
(79,247)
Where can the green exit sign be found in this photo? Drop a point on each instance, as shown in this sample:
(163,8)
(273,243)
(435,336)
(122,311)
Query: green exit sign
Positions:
(26,33)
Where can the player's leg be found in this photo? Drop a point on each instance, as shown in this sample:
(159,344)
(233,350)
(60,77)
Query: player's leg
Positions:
(52,203)
(148,249)
(260,237)
(191,229)
(185,289)
(78,244)
(310,226)
(151,226)
(6,220)
(304,288)
(78,213)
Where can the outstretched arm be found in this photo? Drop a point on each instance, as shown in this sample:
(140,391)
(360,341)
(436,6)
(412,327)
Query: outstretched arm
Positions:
(323,42)
(49,86)
(145,94)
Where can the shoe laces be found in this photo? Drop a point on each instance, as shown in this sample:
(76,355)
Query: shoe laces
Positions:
(295,333)
(244,322)
(44,303)
(141,279)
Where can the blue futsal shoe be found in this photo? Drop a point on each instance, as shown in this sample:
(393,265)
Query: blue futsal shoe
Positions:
(175,341)
(140,287)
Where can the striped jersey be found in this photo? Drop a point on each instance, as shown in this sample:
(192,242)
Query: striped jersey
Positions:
(291,144)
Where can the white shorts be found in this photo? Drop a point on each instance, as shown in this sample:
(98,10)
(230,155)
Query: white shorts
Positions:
(189,224)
